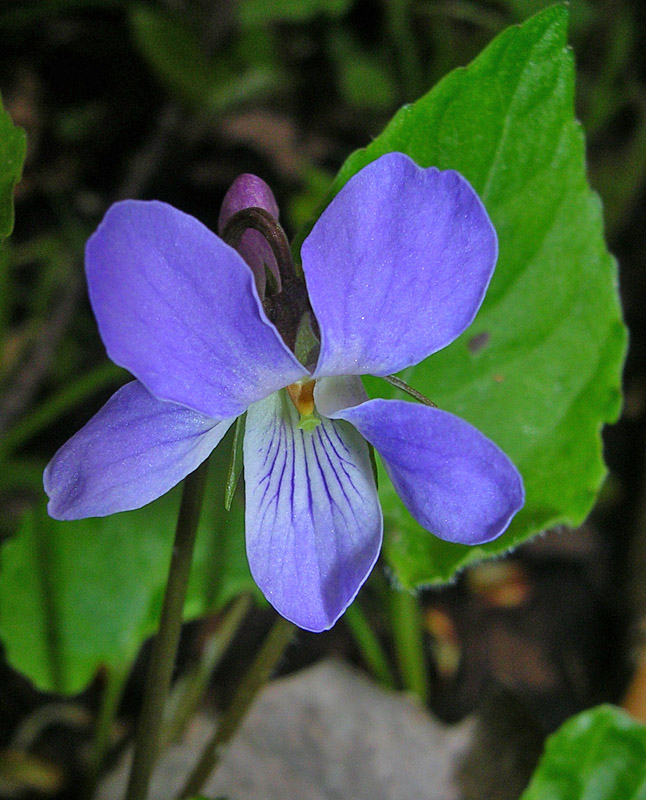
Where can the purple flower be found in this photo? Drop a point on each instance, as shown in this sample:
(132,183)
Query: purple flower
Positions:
(396,268)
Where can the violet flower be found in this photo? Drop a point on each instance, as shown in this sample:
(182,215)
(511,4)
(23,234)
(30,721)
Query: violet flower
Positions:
(396,268)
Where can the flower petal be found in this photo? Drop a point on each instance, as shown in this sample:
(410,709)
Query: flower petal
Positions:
(313,521)
(132,451)
(332,394)
(178,308)
(396,266)
(245,192)
(457,483)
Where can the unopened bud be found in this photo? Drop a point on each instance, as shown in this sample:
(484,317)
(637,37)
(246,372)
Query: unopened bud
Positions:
(250,191)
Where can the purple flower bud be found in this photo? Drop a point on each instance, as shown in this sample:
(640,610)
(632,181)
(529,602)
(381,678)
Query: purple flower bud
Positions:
(249,191)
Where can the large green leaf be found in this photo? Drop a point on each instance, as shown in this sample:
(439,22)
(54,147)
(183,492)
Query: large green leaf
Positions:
(539,369)
(12,156)
(77,595)
(597,755)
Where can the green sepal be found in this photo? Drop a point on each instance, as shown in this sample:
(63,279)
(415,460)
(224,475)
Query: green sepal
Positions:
(235,462)
(306,347)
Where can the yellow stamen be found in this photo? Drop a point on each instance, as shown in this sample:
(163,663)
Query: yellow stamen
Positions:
(302,395)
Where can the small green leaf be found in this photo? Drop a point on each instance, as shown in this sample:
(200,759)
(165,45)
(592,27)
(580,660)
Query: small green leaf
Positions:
(12,155)
(77,595)
(539,369)
(597,755)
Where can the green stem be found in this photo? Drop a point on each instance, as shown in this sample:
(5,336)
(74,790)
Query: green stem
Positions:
(368,643)
(192,689)
(5,293)
(46,555)
(62,402)
(409,645)
(112,691)
(162,659)
(255,678)
(393,380)
(398,15)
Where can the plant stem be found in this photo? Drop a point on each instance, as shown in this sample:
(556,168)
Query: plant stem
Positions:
(369,645)
(398,15)
(162,659)
(112,691)
(255,678)
(61,402)
(393,380)
(407,632)
(191,688)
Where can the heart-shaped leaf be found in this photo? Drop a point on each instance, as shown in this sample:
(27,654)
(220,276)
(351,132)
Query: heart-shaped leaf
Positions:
(539,369)
(78,595)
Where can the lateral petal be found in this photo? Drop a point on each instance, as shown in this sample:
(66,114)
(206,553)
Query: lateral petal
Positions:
(313,521)
(178,307)
(455,481)
(131,452)
(396,266)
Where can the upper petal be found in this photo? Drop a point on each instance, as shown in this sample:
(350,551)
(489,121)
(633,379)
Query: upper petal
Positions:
(178,307)
(396,266)
(455,481)
(132,451)
(313,521)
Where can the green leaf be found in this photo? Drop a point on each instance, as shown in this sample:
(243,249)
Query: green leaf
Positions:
(539,369)
(12,155)
(78,595)
(259,12)
(597,755)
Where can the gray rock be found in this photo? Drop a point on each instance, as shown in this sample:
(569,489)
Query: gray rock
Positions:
(326,733)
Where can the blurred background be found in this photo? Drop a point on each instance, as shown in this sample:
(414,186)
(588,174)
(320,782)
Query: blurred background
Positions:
(172,100)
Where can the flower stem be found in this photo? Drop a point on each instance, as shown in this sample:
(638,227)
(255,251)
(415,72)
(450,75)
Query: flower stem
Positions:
(162,659)
(409,644)
(255,678)
(398,14)
(368,643)
(191,687)
(393,380)
(111,695)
